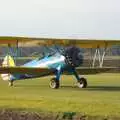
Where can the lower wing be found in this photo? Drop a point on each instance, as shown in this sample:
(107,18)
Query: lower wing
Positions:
(25,70)
(35,71)
(97,70)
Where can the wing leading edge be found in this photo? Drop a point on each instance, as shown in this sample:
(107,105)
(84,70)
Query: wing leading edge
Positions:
(83,43)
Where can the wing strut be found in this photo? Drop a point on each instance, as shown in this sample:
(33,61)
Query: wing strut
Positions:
(100,55)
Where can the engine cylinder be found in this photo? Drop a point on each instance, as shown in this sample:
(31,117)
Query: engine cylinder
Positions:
(74,56)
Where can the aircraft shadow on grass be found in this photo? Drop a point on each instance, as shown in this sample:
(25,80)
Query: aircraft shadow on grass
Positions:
(89,88)
(30,86)
(95,88)
(104,88)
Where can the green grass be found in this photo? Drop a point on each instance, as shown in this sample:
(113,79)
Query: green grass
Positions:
(101,98)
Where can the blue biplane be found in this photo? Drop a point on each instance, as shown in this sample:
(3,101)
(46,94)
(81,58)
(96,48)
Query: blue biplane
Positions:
(66,59)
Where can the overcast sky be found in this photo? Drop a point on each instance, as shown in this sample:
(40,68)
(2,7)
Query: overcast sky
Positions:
(98,19)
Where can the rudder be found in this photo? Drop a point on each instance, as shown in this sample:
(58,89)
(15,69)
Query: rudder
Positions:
(7,62)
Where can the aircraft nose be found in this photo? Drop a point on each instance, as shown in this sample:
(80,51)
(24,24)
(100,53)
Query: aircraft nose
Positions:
(74,56)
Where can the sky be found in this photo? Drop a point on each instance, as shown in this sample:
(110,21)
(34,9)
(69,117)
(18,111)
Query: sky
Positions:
(98,19)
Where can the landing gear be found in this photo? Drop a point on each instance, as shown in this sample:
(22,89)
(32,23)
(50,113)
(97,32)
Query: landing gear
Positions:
(54,83)
(10,83)
(82,83)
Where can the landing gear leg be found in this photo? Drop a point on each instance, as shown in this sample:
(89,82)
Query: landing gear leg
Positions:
(10,83)
(55,82)
(81,82)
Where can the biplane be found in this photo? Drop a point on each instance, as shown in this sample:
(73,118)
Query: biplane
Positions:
(64,59)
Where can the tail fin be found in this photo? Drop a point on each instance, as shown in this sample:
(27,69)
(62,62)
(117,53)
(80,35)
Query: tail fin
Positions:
(8,61)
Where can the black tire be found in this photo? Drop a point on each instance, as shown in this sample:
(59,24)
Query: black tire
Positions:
(82,83)
(54,84)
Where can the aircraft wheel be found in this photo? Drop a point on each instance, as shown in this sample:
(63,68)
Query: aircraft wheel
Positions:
(82,83)
(54,83)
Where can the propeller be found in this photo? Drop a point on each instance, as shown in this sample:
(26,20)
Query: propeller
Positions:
(74,56)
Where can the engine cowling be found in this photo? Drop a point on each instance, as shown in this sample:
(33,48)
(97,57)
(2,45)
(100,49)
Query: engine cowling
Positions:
(74,56)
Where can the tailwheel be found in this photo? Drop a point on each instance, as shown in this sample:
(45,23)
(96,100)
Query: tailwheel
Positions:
(54,83)
(82,83)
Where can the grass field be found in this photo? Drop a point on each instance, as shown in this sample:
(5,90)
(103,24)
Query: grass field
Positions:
(101,98)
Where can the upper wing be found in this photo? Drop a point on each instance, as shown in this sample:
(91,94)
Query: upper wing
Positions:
(83,43)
